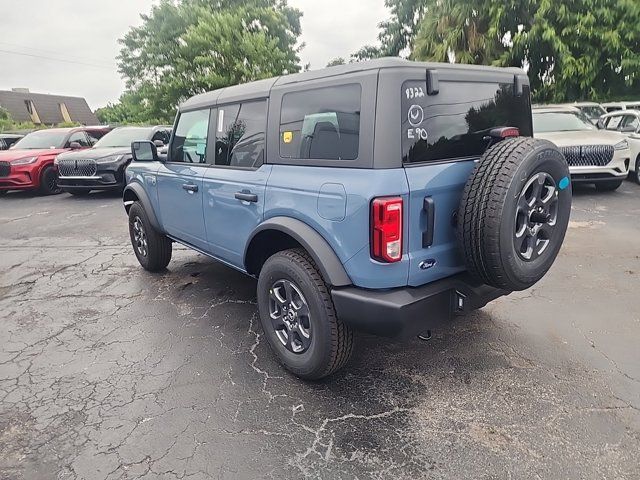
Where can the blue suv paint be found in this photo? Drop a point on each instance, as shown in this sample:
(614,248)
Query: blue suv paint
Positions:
(358,196)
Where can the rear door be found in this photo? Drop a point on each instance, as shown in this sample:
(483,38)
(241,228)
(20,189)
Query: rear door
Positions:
(234,186)
(179,180)
(443,135)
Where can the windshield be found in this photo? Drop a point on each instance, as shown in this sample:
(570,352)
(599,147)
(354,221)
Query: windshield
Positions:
(123,137)
(42,139)
(559,122)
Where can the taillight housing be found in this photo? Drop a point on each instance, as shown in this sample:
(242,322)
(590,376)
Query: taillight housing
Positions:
(386,229)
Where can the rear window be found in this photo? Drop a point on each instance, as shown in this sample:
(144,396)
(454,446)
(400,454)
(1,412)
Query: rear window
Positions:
(321,124)
(456,122)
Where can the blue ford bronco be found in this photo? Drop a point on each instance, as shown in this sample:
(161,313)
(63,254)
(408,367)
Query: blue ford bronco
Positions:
(383,196)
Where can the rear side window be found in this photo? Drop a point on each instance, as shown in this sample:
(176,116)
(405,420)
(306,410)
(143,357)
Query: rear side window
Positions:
(240,135)
(190,140)
(456,122)
(321,124)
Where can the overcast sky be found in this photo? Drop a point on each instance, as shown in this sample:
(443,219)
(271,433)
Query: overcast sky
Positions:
(37,35)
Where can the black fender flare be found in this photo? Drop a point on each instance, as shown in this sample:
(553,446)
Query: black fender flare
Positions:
(324,256)
(143,198)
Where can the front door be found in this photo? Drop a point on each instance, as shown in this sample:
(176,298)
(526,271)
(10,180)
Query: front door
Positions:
(180,188)
(234,188)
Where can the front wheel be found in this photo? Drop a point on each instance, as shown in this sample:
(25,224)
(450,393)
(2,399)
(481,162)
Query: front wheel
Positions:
(49,181)
(608,186)
(298,316)
(152,248)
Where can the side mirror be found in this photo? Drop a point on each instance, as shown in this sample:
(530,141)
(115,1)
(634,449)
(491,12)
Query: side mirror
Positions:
(75,146)
(144,151)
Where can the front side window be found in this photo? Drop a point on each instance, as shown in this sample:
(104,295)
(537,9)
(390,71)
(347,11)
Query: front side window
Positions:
(78,137)
(630,123)
(190,139)
(457,122)
(240,135)
(321,124)
(612,123)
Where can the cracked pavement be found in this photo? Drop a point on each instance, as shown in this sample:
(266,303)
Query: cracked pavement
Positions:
(110,372)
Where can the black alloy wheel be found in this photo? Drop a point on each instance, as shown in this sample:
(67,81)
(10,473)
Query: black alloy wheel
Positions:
(140,237)
(536,216)
(290,316)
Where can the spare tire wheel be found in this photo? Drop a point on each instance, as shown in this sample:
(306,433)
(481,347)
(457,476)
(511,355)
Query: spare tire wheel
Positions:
(514,212)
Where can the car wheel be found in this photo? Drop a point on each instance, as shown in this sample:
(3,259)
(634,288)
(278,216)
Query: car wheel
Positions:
(636,172)
(79,193)
(608,186)
(152,248)
(49,181)
(299,318)
(3,193)
(514,213)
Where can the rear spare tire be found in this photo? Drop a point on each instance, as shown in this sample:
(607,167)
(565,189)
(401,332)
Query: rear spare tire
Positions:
(514,213)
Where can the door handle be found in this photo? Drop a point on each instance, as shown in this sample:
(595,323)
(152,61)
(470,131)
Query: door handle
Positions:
(247,197)
(429,208)
(190,187)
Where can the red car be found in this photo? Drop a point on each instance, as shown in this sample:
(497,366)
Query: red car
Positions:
(28,164)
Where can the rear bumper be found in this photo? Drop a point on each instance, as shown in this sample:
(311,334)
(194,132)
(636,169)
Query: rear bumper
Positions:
(410,311)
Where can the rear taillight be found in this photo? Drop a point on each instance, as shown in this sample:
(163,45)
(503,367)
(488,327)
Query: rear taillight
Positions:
(386,229)
(505,132)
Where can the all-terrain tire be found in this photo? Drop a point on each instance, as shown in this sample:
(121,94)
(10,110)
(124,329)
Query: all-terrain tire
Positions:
(331,342)
(155,249)
(609,185)
(49,181)
(490,211)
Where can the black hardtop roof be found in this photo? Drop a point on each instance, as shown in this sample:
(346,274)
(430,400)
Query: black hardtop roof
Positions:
(262,88)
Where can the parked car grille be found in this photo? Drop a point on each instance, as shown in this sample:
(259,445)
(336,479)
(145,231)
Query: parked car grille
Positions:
(588,155)
(77,168)
(5,169)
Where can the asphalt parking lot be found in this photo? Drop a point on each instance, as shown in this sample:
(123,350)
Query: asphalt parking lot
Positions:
(108,372)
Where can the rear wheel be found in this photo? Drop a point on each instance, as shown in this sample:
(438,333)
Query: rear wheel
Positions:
(152,248)
(608,186)
(298,316)
(49,181)
(79,192)
(514,213)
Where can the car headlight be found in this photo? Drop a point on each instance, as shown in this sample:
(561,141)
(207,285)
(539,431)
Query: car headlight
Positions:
(622,145)
(110,159)
(56,161)
(25,161)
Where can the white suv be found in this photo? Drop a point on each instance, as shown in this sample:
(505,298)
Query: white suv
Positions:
(626,122)
(594,156)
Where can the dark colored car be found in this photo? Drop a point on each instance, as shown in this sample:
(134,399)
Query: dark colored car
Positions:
(8,139)
(28,165)
(382,196)
(102,167)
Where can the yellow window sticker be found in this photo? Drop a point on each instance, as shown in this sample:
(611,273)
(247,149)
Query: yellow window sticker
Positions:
(287,137)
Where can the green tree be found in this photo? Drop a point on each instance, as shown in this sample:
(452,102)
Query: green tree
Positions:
(129,110)
(6,122)
(574,49)
(186,47)
(336,61)
(580,49)
(398,32)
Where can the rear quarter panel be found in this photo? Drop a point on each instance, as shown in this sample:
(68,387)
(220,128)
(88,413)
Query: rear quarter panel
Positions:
(314,196)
